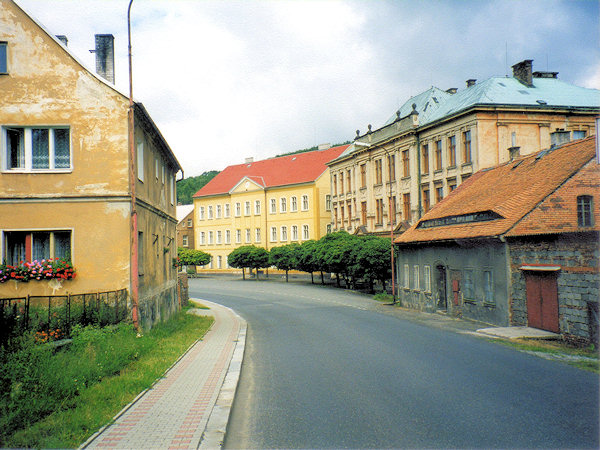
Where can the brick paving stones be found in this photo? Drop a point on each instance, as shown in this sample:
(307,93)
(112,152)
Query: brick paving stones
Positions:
(174,413)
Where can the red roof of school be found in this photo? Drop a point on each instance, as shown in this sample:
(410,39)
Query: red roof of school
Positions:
(282,171)
(535,194)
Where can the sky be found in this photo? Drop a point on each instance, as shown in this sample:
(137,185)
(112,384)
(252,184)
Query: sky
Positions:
(225,80)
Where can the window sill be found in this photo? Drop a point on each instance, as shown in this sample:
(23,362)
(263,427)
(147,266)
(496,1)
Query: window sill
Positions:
(470,302)
(405,178)
(489,305)
(36,171)
(451,167)
(437,171)
(467,164)
(378,184)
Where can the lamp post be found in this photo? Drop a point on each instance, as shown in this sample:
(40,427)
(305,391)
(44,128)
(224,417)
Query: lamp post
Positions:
(134,261)
(392,217)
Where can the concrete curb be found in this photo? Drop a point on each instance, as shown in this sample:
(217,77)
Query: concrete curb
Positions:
(214,433)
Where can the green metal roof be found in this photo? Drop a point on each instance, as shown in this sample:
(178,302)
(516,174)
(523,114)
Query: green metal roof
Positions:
(435,104)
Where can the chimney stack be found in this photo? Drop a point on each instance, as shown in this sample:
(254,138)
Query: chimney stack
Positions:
(522,72)
(62,38)
(545,75)
(105,56)
(249,160)
(471,82)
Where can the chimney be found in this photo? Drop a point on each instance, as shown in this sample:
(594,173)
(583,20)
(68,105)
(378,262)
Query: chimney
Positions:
(471,82)
(545,75)
(522,72)
(324,146)
(249,160)
(105,56)
(559,137)
(513,152)
(452,90)
(62,38)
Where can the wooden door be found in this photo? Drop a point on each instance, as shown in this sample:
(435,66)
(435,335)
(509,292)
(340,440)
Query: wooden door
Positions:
(542,300)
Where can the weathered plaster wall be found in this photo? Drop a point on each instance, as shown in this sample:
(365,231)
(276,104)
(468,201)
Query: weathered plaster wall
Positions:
(100,243)
(477,257)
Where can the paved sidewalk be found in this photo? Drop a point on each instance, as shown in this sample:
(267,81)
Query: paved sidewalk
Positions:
(189,407)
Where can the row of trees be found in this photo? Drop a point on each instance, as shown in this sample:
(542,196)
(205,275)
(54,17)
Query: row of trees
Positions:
(354,259)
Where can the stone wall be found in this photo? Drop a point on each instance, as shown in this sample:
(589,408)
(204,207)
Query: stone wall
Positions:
(158,306)
(578,255)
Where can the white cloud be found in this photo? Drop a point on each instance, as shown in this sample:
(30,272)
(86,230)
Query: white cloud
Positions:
(228,79)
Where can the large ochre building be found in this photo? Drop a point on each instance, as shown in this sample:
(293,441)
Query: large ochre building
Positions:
(439,138)
(266,203)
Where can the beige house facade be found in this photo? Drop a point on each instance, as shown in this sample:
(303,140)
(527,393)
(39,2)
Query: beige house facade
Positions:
(391,176)
(64,165)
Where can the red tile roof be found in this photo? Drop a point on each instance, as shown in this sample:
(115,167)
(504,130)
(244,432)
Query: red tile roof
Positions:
(535,194)
(282,171)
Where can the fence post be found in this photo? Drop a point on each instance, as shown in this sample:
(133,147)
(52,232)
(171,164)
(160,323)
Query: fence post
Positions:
(69,313)
(27,312)
(116,307)
(49,316)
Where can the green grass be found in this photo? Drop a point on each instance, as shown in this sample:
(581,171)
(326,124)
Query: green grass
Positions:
(558,349)
(381,297)
(65,396)
(197,304)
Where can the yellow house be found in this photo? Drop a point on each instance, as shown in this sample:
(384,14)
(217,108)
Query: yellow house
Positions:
(437,139)
(266,203)
(65,190)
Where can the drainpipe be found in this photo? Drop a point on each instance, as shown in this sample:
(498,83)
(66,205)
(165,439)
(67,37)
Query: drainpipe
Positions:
(134,224)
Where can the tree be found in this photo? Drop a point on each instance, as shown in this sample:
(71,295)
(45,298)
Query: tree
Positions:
(284,257)
(335,253)
(306,259)
(372,259)
(190,257)
(249,256)
(189,186)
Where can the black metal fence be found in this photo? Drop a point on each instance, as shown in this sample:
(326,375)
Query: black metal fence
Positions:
(52,317)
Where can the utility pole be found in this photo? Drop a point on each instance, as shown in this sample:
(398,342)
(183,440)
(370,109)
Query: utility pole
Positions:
(134,271)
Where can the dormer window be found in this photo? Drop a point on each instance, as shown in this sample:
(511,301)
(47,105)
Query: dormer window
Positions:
(584,211)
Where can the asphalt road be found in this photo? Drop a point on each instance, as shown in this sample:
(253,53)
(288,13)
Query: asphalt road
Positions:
(330,368)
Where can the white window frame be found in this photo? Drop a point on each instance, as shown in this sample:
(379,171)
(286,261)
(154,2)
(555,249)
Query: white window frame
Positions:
(156,168)
(238,209)
(283,205)
(190,224)
(218,211)
(210,212)
(305,204)
(273,234)
(294,232)
(406,276)
(273,205)
(140,160)
(28,150)
(257,207)
(219,262)
(228,236)
(202,238)
(184,240)
(227,210)
(248,236)
(238,236)
(246,208)
(257,235)
(211,237)
(293,204)
(427,278)
(416,277)
(284,235)
(305,232)
(219,237)
(201,213)
(328,202)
